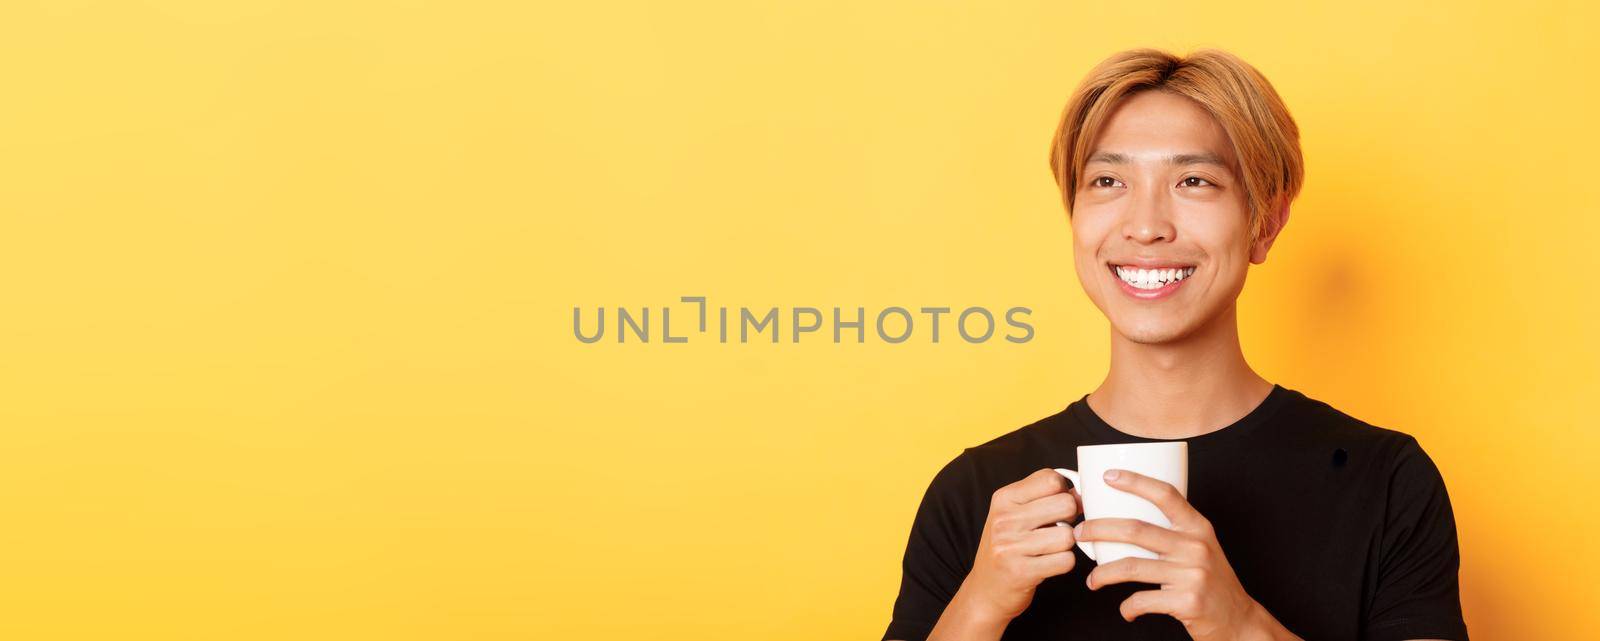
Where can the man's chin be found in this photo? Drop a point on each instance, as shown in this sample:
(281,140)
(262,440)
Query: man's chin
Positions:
(1153,333)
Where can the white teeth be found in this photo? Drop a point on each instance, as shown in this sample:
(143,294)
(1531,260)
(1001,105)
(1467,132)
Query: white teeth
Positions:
(1152,279)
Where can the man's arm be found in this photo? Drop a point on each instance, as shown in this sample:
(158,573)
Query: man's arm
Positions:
(1418,594)
(937,554)
(1020,546)
(963,619)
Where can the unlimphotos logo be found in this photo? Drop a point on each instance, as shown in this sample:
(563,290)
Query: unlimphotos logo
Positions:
(891,324)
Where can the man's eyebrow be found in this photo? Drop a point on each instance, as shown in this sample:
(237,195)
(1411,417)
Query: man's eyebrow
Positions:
(1202,158)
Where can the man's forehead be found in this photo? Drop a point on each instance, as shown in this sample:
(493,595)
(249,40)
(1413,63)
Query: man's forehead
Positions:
(1162,127)
(1166,156)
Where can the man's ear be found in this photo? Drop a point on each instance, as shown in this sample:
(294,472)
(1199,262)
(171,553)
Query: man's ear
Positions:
(1270,228)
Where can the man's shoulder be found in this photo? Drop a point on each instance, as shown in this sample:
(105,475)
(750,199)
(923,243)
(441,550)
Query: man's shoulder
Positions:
(1317,419)
(1012,455)
(1047,431)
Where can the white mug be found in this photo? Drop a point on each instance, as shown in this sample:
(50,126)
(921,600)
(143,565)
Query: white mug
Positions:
(1167,461)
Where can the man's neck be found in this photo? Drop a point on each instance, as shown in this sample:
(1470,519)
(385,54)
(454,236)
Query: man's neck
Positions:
(1198,384)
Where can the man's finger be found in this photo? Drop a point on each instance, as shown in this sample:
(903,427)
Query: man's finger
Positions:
(1165,497)
(1046,511)
(1046,540)
(1035,486)
(1146,535)
(1133,569)
(1176,603)
(1048,565)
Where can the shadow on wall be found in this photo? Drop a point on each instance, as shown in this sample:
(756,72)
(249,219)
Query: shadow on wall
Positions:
(1353,335)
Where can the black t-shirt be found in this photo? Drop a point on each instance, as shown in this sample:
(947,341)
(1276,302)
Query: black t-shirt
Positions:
(1340,529)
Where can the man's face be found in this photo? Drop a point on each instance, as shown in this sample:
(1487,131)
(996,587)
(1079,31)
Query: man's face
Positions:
(1161,191)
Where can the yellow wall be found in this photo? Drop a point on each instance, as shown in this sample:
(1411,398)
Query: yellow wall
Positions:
(286,345)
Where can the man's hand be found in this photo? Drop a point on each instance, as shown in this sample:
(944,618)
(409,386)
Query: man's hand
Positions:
(1021,545)
(1198,587)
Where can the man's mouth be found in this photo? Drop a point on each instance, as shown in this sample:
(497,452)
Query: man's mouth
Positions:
(1151,279)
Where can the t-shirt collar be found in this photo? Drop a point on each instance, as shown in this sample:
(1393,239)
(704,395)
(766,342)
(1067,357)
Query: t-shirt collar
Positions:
(1104,432)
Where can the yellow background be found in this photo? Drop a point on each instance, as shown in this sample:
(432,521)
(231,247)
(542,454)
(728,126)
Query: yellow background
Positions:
(286,346)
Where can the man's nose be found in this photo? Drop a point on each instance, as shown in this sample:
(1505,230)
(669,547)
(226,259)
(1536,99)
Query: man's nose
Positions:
(1149,217)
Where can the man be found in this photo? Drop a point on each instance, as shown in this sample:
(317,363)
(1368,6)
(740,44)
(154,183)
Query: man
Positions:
(1300,521)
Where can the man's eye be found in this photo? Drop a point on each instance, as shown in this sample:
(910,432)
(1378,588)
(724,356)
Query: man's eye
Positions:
(1103,181)
(1187,181)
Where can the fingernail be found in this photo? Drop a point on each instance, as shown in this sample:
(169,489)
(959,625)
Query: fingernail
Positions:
(1111,475)
(1077,530)
(1088,582)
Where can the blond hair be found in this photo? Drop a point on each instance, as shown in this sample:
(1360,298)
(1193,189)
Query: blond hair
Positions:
(1264,136)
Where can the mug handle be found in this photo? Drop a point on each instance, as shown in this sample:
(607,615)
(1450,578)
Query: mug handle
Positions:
(1086,546)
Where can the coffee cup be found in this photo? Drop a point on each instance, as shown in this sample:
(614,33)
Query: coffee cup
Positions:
(1165,461)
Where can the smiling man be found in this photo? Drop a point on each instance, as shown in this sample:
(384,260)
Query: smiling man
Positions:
(1301,522)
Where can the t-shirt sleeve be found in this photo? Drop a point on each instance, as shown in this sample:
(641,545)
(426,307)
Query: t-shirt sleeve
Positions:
(940,551)
(1417,594)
